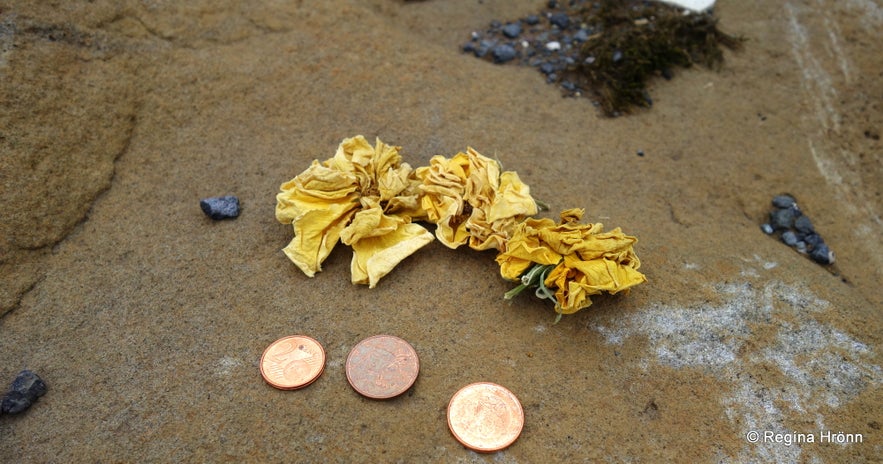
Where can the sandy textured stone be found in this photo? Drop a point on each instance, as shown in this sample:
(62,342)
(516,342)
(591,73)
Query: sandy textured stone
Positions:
(148,319)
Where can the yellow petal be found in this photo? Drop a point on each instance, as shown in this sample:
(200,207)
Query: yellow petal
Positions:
(526,244)
(374,257)
(352,156)
(315,234)
(314,188)
(357,156)
(511,268)
(483,178)
(604,274)
(512,199)
(370,223)
(442,186)
(570,295)
(318,203)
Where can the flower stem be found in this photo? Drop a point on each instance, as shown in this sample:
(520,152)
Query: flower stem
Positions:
(514,292)
(534,277)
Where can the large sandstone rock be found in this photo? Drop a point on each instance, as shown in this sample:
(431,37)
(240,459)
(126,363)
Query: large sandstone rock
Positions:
(147,319)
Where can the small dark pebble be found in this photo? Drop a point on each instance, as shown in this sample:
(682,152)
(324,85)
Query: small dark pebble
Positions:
(797,230)
(784,201)
(512,30)
(504,53)
(26,388)
(569,86)
(581,35)
(14,403)
(822,254)
(782,218)
(803,224)
(469,47)
(547,68)
(532,20)
(560,19)
(219,208)
(789,238)
(813,240)
(640,152)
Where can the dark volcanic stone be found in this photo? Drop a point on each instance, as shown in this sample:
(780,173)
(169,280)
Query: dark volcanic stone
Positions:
(822,254)
(512,30)
(503,53)
(782,218)
(29,384)
(784,201)
(813,240)
(581,35)
(803,224)
(789,238)
(26,388)
(14,403)
(532,20)
(560,19)
(220,207)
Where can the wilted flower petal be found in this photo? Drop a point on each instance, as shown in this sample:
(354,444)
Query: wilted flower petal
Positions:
(587,260)
(472,202)
(362,194)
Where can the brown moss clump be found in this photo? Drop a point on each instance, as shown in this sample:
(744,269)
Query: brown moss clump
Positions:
(634,41)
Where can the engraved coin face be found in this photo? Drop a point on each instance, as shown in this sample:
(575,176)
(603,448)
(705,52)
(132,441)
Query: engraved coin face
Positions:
(485,417)
(382,366)
(292,362)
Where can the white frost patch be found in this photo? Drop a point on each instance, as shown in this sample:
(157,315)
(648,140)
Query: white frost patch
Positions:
(769,265)
(822,367)
(613,337)
(871,15)
(225,366)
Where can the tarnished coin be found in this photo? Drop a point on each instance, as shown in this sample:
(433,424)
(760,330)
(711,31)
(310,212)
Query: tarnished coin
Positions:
(382,366)
(485,417)
(292,362)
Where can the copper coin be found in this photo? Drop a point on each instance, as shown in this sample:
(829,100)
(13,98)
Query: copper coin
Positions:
(292,362)
(485,417)
(382,366)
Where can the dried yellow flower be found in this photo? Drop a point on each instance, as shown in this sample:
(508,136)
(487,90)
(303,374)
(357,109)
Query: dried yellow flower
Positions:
(573,259)
(471,201)
(365,196)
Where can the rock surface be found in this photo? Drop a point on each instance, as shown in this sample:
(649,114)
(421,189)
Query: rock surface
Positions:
(151,327)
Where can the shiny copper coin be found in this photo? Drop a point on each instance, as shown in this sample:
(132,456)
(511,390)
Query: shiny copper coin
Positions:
(485,417)
(382,366)
(292,362)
